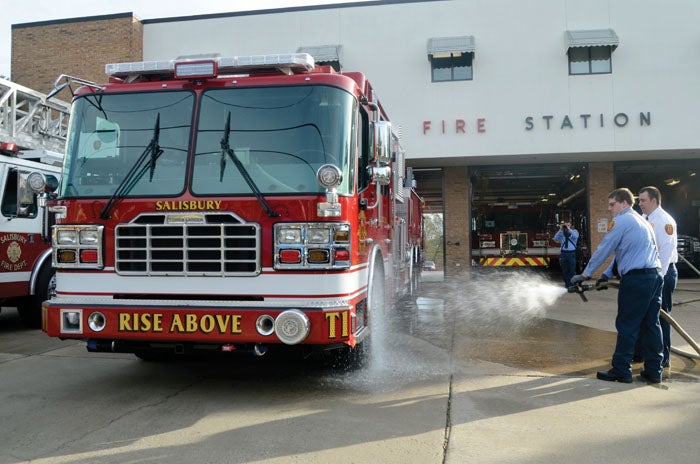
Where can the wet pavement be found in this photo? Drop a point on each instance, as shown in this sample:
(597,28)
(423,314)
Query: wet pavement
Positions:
(523,386)
(490,368)
(524,321)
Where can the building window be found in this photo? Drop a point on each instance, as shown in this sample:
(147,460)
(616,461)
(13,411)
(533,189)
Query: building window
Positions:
(451,58)
(452,67)
(590,51)
(590,60)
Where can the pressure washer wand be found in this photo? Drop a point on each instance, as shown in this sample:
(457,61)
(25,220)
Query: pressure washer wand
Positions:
(580,288)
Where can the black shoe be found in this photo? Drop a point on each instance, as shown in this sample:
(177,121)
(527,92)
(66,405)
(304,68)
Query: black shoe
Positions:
(649,378)
(637,359)
(610,376)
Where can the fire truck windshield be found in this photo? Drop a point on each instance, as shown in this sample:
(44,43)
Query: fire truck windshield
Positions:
(280,136)
(109,134)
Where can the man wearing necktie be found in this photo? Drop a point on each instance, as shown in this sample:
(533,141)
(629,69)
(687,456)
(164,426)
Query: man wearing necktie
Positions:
(567,236)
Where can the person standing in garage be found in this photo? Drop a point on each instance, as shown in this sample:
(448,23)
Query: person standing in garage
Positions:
(666,234)
(631,239)
(567,236)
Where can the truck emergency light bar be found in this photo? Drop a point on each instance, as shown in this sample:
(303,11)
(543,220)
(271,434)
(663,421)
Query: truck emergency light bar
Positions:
(212,67)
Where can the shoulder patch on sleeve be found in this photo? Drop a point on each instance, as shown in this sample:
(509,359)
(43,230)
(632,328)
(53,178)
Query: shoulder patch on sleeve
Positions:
(669,229)
(611,225)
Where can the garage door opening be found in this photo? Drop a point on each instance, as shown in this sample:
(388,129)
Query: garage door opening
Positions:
(517,209)
(679,183)
(429,182)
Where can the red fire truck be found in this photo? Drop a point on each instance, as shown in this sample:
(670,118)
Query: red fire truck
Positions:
(516,235)
(228,204)
(32,136)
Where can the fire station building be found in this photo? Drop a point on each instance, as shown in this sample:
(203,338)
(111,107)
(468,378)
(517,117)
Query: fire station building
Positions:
(537,106)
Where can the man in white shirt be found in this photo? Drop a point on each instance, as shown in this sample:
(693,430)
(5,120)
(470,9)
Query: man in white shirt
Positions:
(666,234)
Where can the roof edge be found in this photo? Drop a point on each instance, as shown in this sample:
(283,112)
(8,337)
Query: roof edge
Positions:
(282,10)
(75,20)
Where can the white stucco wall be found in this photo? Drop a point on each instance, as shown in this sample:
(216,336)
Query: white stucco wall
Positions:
(520,70)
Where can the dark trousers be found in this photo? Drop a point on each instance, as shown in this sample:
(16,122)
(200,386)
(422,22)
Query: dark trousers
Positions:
(567,261)
(670,281)
(638,305)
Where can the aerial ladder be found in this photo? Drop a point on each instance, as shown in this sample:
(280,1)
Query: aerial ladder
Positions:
(31,122)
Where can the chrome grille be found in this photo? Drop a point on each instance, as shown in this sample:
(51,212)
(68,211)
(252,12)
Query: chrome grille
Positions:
(206,245)
(513,242)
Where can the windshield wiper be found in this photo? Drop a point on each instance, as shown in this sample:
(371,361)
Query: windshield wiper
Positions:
(226,149)
(134,175)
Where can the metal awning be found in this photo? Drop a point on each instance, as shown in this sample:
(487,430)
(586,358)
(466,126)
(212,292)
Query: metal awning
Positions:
(445,45)
(592,38)
(323,53)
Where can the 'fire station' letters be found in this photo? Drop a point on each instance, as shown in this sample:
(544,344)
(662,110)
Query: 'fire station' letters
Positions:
(619,119)
(460,126)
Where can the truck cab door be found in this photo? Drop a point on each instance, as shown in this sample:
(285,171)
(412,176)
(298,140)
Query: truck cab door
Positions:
(19,248)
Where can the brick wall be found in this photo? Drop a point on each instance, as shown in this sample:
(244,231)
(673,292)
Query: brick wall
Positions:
(456,217)
(600,183)
(79,47)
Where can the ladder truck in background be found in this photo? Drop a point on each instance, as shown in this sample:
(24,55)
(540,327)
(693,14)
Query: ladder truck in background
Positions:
(32,140)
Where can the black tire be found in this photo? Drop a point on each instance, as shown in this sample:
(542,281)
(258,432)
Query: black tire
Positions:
(415,279)
(29,308)
(377,311)
(348,359)
(377,298)
(155,355)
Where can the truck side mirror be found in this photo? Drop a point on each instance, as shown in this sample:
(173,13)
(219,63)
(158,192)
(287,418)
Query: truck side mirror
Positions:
(30,183)
(380,175)
(382,142)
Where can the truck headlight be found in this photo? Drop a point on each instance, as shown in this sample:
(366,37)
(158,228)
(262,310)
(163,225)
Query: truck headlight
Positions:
(312,245)
(289,235)
(78,246)
(89,237)
(66,237)
(319,235)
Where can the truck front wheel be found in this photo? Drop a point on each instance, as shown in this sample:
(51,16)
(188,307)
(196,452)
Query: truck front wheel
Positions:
(29,308)
(360,356)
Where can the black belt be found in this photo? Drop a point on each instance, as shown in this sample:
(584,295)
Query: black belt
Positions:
(649,270)
(568,251)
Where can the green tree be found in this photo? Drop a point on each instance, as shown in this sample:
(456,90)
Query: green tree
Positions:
(434,233)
